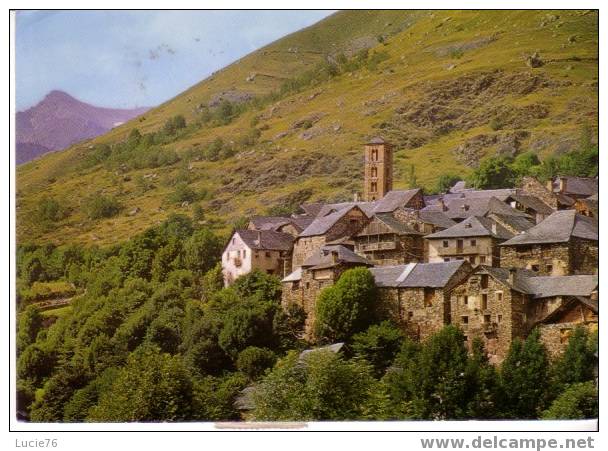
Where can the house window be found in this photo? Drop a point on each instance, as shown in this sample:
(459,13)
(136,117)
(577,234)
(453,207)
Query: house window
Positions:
(233,240)
(499,296)
(464,319)
(446,259)
(534,268)
(374,171)
(549,268)
(428,297)
(500,318)
(307,285)
(374,187)
(446,243)
(484,301)
(465,300)
(410,315)
(238,254)
(375,154)
(482,259)
(270,271)
(295,285)
(244,253)
(473,242)
(484,281)
(267,254)
(472,259)
(487,319)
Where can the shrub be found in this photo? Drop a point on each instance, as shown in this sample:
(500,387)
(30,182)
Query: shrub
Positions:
(378,345)
(253,361)
(579,401)
(182,193)
(49,210)
(101,206)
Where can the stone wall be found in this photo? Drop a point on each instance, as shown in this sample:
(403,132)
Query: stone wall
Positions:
(419,312)
(584,256)
(555,336)
(304,247)
(535,188)
(485,308)
(407,249)
(546,259)
(554,259)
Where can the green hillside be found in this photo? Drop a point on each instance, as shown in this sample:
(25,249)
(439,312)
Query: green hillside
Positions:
(446,87)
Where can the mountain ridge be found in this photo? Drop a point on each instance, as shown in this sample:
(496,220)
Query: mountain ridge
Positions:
(60,120)
(448,88)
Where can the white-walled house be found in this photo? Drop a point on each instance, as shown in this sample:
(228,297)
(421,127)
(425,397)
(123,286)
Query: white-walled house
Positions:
(266,250)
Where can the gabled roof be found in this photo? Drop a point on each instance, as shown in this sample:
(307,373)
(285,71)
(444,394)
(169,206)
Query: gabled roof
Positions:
(437,218)
(416,275)
(503,275)
(301,222)
(383,223)
(322,224)
(579,186)
(532,202)
(323,258)
(268,222)
(294,276)
(460,207)
(395,199)
(559,227)
(572,301)
(458,187)
(377,140)
(473,226)
(266,239)
(517,223)
(549,286)
(312,208)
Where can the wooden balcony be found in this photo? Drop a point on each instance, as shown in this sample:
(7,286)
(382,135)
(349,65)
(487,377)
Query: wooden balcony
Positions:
(465,250)
(378,246)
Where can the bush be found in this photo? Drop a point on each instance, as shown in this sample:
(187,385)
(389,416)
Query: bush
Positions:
(578,402)
(100,206)
(49,210)
(493,173)
(378,345)
(253,361)
(183,193)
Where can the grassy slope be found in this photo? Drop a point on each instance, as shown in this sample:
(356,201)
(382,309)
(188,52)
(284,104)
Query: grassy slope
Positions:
(416,95)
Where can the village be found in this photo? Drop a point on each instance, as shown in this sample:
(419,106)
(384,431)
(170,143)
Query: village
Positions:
(496,263)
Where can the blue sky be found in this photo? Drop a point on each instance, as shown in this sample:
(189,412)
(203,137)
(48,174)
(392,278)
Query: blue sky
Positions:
(125,59)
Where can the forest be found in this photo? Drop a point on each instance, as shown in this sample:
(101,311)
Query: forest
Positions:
(152,335)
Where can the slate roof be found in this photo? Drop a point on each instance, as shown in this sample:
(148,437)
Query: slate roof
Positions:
(327,209)
(473,226)
(458,187)
(437,218)
(269,222)
(322,258)
(300,223)
(532,202)
(463,207)
(391,225)
(559,227)
(549,286)
(503,275)
(266,239)
(312,208)
(578,186)
(395,199)
(416,275)
(294,276)
(518,223)
(377,140)
(322,224)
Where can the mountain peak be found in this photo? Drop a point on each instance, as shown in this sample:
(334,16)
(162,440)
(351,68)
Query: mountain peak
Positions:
(56,95)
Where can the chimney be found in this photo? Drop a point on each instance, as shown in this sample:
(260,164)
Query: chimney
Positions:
(334,257)
(512,275)
(494,228)
(465,207)
(562,184)
(356,197)
(258,241)
(442,204)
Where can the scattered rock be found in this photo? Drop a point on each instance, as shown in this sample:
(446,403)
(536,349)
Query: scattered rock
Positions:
(232,96)
(134,211)
(534,60)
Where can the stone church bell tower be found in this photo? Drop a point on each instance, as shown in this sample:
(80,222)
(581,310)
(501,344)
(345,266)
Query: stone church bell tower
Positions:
(378,179)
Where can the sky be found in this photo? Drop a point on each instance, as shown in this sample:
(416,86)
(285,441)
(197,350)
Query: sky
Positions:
(125,59)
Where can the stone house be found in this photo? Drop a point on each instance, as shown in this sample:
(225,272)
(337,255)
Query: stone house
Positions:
(531,205)
(416,296)
(514,224)
(564,243)
(337,225)
(248,250)
(387,241)
(475,239)
(425,221)
(491,304)
(574,187)
(499,304)
(556,328)
(588,207)
(320,270)
(556,200)
(292,225)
